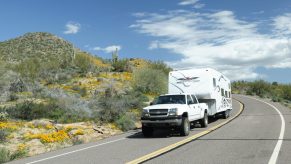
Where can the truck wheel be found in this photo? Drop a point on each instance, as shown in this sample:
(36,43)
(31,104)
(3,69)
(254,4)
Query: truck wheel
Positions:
(204,121)
(147,131)
(185,127)
(225,114)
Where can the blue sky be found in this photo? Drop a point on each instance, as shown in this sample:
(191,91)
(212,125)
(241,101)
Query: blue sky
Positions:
(246,40)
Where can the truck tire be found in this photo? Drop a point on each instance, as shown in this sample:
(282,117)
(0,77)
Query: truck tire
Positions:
(147,131)
(185,127)
(225,114)
(204,121)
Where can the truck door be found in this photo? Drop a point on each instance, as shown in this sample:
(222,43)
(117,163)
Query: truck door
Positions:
(194,110)
(197,111)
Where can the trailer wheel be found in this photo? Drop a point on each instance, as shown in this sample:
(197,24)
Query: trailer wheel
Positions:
(204,121)
(185,127)
(225,114)
(147,131)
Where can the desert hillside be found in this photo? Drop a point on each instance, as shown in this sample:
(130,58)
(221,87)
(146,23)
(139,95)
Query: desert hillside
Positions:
(54,95)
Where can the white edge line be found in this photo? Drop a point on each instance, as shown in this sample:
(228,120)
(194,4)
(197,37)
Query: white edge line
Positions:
(71,152)
(277,148)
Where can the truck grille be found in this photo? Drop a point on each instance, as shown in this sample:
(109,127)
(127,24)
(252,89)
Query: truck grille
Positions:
(158,112)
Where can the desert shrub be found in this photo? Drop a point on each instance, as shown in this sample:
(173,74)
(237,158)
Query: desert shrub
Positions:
(52,110)
(121,65)
(81,91)
(111,109)
(29,110)
(3,135)
(13,97)
(17,86)
(159,65)
(150,81)
(3,115)
(21,152)
(77,141)
(5,81)
(115,106)
(84,62)
(276,99)
(29,68)
(286,92)
(4,155)
(275,91)
(126,122)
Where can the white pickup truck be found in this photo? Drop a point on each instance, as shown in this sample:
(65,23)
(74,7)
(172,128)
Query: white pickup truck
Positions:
(176,111)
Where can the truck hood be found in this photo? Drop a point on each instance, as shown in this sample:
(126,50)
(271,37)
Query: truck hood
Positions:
(165,106)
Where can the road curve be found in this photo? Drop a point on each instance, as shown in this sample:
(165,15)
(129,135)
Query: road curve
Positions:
(250,138)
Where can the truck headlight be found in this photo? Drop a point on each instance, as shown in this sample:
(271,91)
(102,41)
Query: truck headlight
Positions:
(145,113)
(173,111)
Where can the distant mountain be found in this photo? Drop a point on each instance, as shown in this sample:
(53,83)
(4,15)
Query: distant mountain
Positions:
(41,45)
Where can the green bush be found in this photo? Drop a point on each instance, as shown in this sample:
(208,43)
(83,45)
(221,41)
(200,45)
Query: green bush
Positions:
(115,106)
(126,122)
(3,115)
(276,99)
(277,92)
(4,155)
(19,154)
(29,68)
(150,81)
(81,91)
(13,97)
(122,65)
(52,110)
(29,110)
(3,135)
(159,65)
(84,62)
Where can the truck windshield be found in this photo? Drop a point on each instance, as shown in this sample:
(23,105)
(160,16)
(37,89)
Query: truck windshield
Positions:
(171,99)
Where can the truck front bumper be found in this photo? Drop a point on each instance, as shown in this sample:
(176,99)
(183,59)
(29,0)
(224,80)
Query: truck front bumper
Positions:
(169,121)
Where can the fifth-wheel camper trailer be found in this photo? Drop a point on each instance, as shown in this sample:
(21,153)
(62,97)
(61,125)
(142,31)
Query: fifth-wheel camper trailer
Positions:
(209,86)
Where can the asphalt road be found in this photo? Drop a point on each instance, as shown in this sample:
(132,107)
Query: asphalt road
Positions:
(249,138)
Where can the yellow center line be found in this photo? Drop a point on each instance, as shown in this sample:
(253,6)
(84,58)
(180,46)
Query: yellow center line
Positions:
(187,140)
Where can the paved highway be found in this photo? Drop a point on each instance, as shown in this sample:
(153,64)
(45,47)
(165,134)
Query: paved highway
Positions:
(252,137)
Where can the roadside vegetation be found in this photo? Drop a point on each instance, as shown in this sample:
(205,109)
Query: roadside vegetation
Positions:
(53,95)
(274,91)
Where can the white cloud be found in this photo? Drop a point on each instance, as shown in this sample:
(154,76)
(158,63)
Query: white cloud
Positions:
(218,40)
(282,24)
(72,28)
(108,49)
(193,3)
(188,2)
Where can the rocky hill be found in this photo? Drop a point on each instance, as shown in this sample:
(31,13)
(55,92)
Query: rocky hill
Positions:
(53,95)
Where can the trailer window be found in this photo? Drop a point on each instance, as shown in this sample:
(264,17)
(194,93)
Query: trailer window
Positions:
(226,94)
(214,82)
(222,92)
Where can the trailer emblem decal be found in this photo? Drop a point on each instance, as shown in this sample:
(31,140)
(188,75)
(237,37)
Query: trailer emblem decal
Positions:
(186,80)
